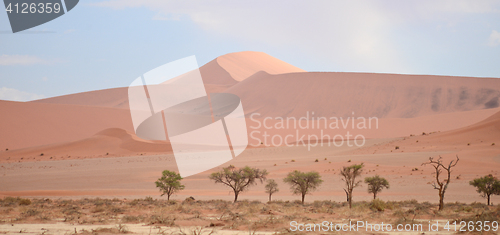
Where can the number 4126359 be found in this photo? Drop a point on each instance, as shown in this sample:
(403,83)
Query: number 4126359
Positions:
(32,8)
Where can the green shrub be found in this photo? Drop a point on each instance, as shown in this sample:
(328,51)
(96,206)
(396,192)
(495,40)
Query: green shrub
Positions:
(377,205)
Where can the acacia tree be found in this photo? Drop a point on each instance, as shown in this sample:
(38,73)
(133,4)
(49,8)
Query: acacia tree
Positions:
(303,182)
(376,184)
(349,175)
(271,187)
(487,186)
(441,185)
(169,183)
(238,179)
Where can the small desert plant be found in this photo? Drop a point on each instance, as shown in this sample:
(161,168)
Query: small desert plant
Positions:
(377,205)
(30,212)
(397,147)
(131,219)
(293,160)
(316,160)
(24,202)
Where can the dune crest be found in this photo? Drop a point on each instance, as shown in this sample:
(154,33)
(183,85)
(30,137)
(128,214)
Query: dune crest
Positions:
(241,65)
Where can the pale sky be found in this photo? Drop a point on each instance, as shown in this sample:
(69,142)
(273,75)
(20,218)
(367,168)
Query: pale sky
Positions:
(106,44)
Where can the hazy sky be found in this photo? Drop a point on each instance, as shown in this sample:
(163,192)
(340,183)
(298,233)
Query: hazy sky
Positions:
(105,44)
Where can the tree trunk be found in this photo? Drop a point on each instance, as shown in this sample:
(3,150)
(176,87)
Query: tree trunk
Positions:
(374,196)
(489,199)
(168,197)
(303,196)
(441,201)
(270,197)
(350,200)
(235,196)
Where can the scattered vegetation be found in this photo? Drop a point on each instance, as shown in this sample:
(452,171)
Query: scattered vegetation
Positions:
(171,217)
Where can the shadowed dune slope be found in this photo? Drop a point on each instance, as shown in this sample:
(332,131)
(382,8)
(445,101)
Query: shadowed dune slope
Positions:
(25,124)
(365,94)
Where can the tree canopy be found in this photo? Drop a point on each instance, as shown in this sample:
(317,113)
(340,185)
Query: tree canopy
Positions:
(487,186)
(303,182)
(239,179)
(376,184)
(349,175)
(169,183)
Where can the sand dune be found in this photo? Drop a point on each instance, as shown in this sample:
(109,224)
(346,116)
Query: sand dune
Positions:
(365,94)
(477,144)
(405,104)
(26,124)
(218,75)
(242,65)
(486,131)
(106,143)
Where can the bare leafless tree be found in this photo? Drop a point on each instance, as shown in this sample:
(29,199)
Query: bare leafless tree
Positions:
(441,185)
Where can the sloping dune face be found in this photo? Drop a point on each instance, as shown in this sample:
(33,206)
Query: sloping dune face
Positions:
(110,98)
(487,131)
(26,124)
(109,142)
(242,65)
(368,95)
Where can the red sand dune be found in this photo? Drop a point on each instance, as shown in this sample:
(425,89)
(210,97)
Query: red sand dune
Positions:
(477,143)
(242,65)
(109,142)
(405,103)
(365,94)
(218,75)
(26,124)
